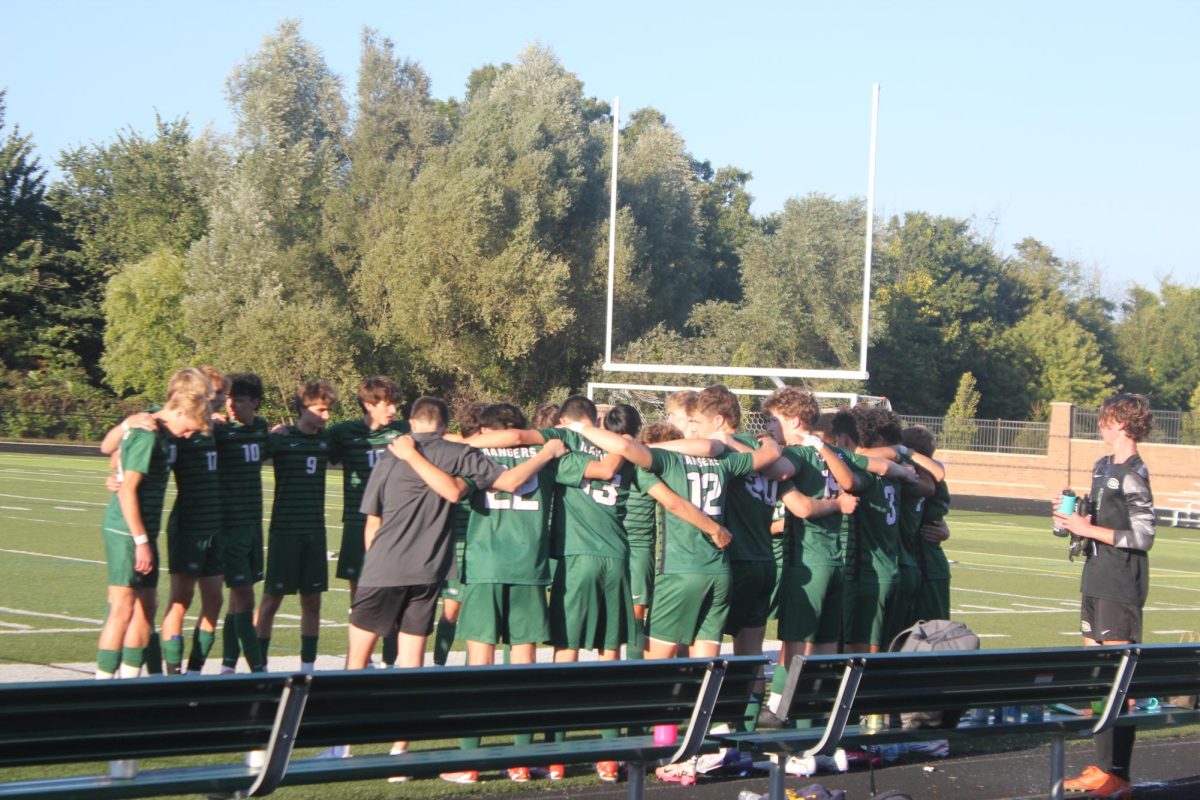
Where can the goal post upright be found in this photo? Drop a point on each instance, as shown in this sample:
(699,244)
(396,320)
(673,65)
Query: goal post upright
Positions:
(612,229)
(866,300)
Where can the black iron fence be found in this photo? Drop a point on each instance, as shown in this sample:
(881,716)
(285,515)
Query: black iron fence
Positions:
(1170,427)
(986,435)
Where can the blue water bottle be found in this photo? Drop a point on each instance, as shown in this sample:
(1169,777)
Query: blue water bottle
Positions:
(1065,506)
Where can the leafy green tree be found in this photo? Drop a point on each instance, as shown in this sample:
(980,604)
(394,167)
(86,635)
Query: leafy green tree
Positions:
(144,338)
(943,297)
(1062,358)
(48,302)
(497,250)
(1159,341)
(960,426)
(262,290)
(123,200)
(396,123)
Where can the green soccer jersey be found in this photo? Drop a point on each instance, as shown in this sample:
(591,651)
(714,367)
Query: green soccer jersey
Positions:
(588,514)
(815,542)
(873,543)
(149,453)
(197,509)
(705,481)
(933,559)
(748,511)
(356,447)
(241,451)
(508,535)
(640,521)
(300,461)
(912,508)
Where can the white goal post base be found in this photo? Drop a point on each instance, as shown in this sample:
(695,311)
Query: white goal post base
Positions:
(748,372)
(649,398)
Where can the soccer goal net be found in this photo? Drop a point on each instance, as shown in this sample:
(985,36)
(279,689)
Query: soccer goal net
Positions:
(650,400)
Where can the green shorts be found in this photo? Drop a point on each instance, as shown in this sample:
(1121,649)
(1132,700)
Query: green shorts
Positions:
(242,552)
(689,607)
(351,551)
(118,552)
(903,603)
(933,599)
(296,564)
(641,575)
(590,603)
(199,556)
(503,613)
(753,583)
(810,604)
(452,588)
(864,611)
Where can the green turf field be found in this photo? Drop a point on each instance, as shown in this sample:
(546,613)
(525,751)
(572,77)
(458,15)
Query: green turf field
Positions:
(1012,581)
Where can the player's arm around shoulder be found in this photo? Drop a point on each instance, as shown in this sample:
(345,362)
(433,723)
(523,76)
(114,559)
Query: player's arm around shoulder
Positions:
(684,510)
(516,476)
(449,487)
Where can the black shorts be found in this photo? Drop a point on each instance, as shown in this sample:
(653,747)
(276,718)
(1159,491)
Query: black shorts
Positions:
(1103,620)
(383,610)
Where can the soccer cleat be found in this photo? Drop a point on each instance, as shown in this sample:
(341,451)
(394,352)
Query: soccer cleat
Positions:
(228,670)
(1098,783)
(608,771)
(769,719)
(467,776)
(684,773)
(307,666)
(556,772)
(519,774)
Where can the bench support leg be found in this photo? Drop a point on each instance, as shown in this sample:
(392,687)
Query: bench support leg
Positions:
(1058,759)
(636,776)
(777,789)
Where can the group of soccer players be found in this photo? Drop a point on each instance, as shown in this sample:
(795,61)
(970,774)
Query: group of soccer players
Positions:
(581,532)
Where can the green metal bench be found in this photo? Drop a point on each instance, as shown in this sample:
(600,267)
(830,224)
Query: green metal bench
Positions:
(833,692)
(95,721)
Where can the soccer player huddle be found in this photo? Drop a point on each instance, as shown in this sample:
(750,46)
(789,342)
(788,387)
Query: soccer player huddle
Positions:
(577,532)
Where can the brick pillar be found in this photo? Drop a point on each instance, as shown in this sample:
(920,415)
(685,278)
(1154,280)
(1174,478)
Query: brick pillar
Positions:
(1058,454)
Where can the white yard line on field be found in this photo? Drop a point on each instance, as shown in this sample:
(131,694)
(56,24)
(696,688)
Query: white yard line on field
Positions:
(25,613)
(53,500)
(49,555)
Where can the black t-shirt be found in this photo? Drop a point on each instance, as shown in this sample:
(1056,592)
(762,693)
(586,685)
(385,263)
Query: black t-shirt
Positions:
(415,545)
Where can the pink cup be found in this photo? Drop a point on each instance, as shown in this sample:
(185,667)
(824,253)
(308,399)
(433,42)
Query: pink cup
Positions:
(665,735)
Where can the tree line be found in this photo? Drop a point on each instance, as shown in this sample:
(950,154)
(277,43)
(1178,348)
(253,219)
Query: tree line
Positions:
(460,246)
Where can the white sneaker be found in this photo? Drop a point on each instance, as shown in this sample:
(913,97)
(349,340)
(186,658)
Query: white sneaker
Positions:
(228,670)
(307,666)
(396,751)
(834,763)
(337,751)
(803,767)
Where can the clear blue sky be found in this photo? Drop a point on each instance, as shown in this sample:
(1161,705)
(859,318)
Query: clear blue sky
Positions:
(1073,122)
